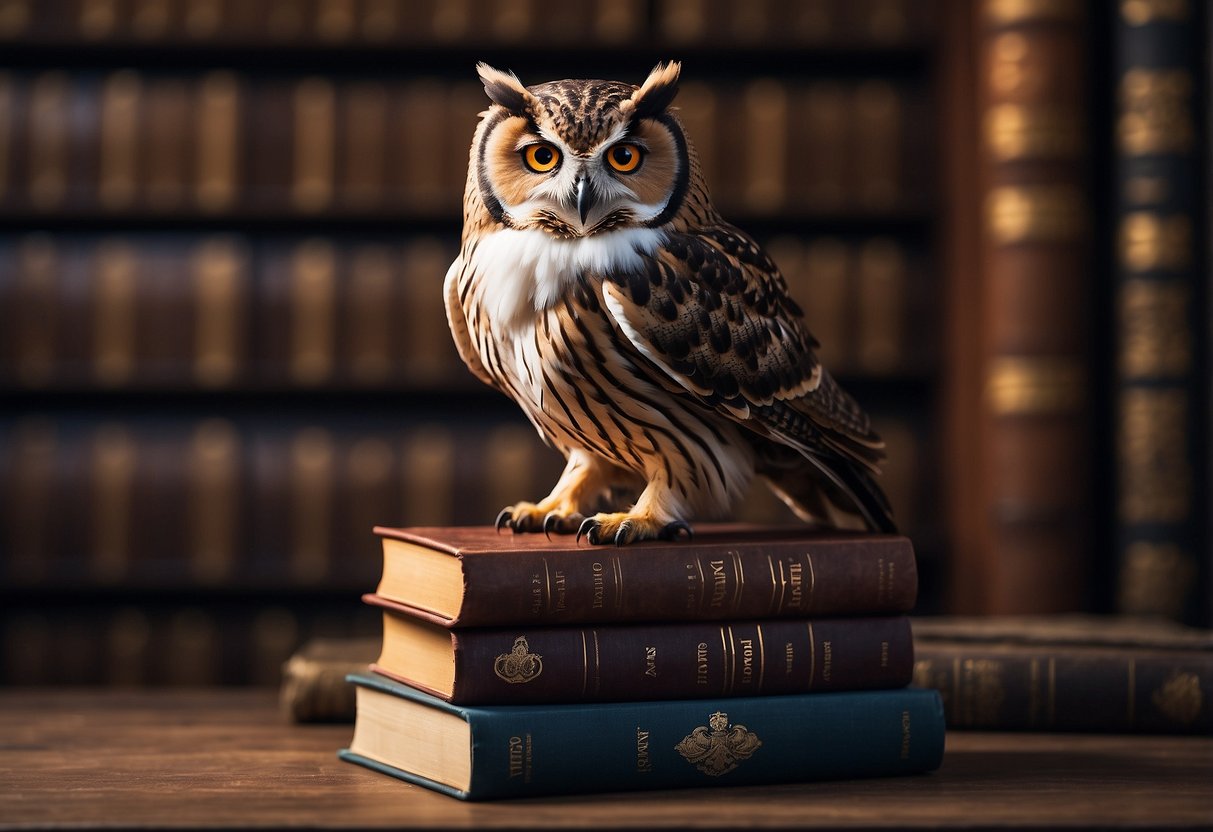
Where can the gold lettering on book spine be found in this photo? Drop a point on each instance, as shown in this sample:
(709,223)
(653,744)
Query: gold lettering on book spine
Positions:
(1150,241)
(726,671)
(1142,12)
(1015,132)
(1035,213)
(980,692)
(520,665)
(585,664)
(762,657)
(1006,12)
(617,569)
(1156,578)
(1156,340)
(777,586)
(739,577)
(810,597)
(1156,112)
(719,747)
(1021,385)
(1155,463)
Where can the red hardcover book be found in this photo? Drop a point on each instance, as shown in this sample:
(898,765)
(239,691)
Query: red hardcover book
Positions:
(474,577)
(640,662)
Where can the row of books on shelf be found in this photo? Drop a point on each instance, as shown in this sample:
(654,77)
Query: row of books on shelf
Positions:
(574,23)
(158,642)
(145,504)
(228,311)
(221,142)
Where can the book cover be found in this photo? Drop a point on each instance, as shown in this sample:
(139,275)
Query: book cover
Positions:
(568,749)
(473,576)
(644,661)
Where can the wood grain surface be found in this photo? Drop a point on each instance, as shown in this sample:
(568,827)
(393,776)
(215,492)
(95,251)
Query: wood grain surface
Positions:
(227,759)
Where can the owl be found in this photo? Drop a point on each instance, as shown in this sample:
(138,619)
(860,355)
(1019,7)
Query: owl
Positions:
(648,340)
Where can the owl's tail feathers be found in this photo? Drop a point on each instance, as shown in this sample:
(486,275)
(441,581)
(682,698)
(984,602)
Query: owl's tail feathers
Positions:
(834,491)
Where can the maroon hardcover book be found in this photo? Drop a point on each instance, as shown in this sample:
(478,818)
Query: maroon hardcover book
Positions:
(472,576)
(633,662)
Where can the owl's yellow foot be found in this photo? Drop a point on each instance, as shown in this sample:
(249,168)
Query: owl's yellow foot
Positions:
(547,517)
(582,486)
(622,528)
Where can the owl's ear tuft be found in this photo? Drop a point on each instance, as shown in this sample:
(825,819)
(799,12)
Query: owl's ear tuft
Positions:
(505,89)
(656,93)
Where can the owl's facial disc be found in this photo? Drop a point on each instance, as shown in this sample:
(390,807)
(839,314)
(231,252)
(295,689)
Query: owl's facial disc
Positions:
(543,182)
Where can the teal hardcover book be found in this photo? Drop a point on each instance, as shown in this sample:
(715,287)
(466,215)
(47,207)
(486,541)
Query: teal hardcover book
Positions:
(476,753)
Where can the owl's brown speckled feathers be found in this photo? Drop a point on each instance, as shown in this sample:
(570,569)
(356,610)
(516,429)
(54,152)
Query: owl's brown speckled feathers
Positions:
(651,342)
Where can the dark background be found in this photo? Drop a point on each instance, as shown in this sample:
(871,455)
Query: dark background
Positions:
(224,228)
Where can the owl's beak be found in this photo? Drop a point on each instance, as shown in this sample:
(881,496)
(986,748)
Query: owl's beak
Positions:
(586,197)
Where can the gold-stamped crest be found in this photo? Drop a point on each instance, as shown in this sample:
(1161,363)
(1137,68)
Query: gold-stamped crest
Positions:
(1180,698)
(719,747)
(519,665)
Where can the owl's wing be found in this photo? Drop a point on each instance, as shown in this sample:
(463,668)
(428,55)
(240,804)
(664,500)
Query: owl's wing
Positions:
(711,311)
(459,324)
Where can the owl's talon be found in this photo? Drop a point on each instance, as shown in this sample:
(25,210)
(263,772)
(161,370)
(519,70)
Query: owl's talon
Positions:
(625,533)
(554,521)
(505,520)
(676,530)
(587,529)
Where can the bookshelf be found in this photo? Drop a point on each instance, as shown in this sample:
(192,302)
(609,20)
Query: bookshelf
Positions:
(223,231)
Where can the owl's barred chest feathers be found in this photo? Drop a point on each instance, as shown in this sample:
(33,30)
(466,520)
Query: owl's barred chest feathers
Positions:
(545,335)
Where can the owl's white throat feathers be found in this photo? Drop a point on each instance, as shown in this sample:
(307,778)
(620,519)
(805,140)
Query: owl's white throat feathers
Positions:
(527,271)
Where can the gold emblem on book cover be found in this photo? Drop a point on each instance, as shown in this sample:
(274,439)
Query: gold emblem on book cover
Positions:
(720,747)
(1179,698)
(519,665)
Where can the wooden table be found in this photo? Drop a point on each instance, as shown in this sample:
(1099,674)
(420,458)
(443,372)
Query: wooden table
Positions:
(227,759)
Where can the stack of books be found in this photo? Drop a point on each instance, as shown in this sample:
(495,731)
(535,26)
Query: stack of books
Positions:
(520,666)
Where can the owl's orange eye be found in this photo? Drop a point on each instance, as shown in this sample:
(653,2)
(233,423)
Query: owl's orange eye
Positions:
(624,157)
(541,158)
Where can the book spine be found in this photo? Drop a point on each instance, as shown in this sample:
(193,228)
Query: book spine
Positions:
(693,583)
(316,691)
(1077,689)
(680,661)
(1161,312)
(1034,414)
(538,750)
